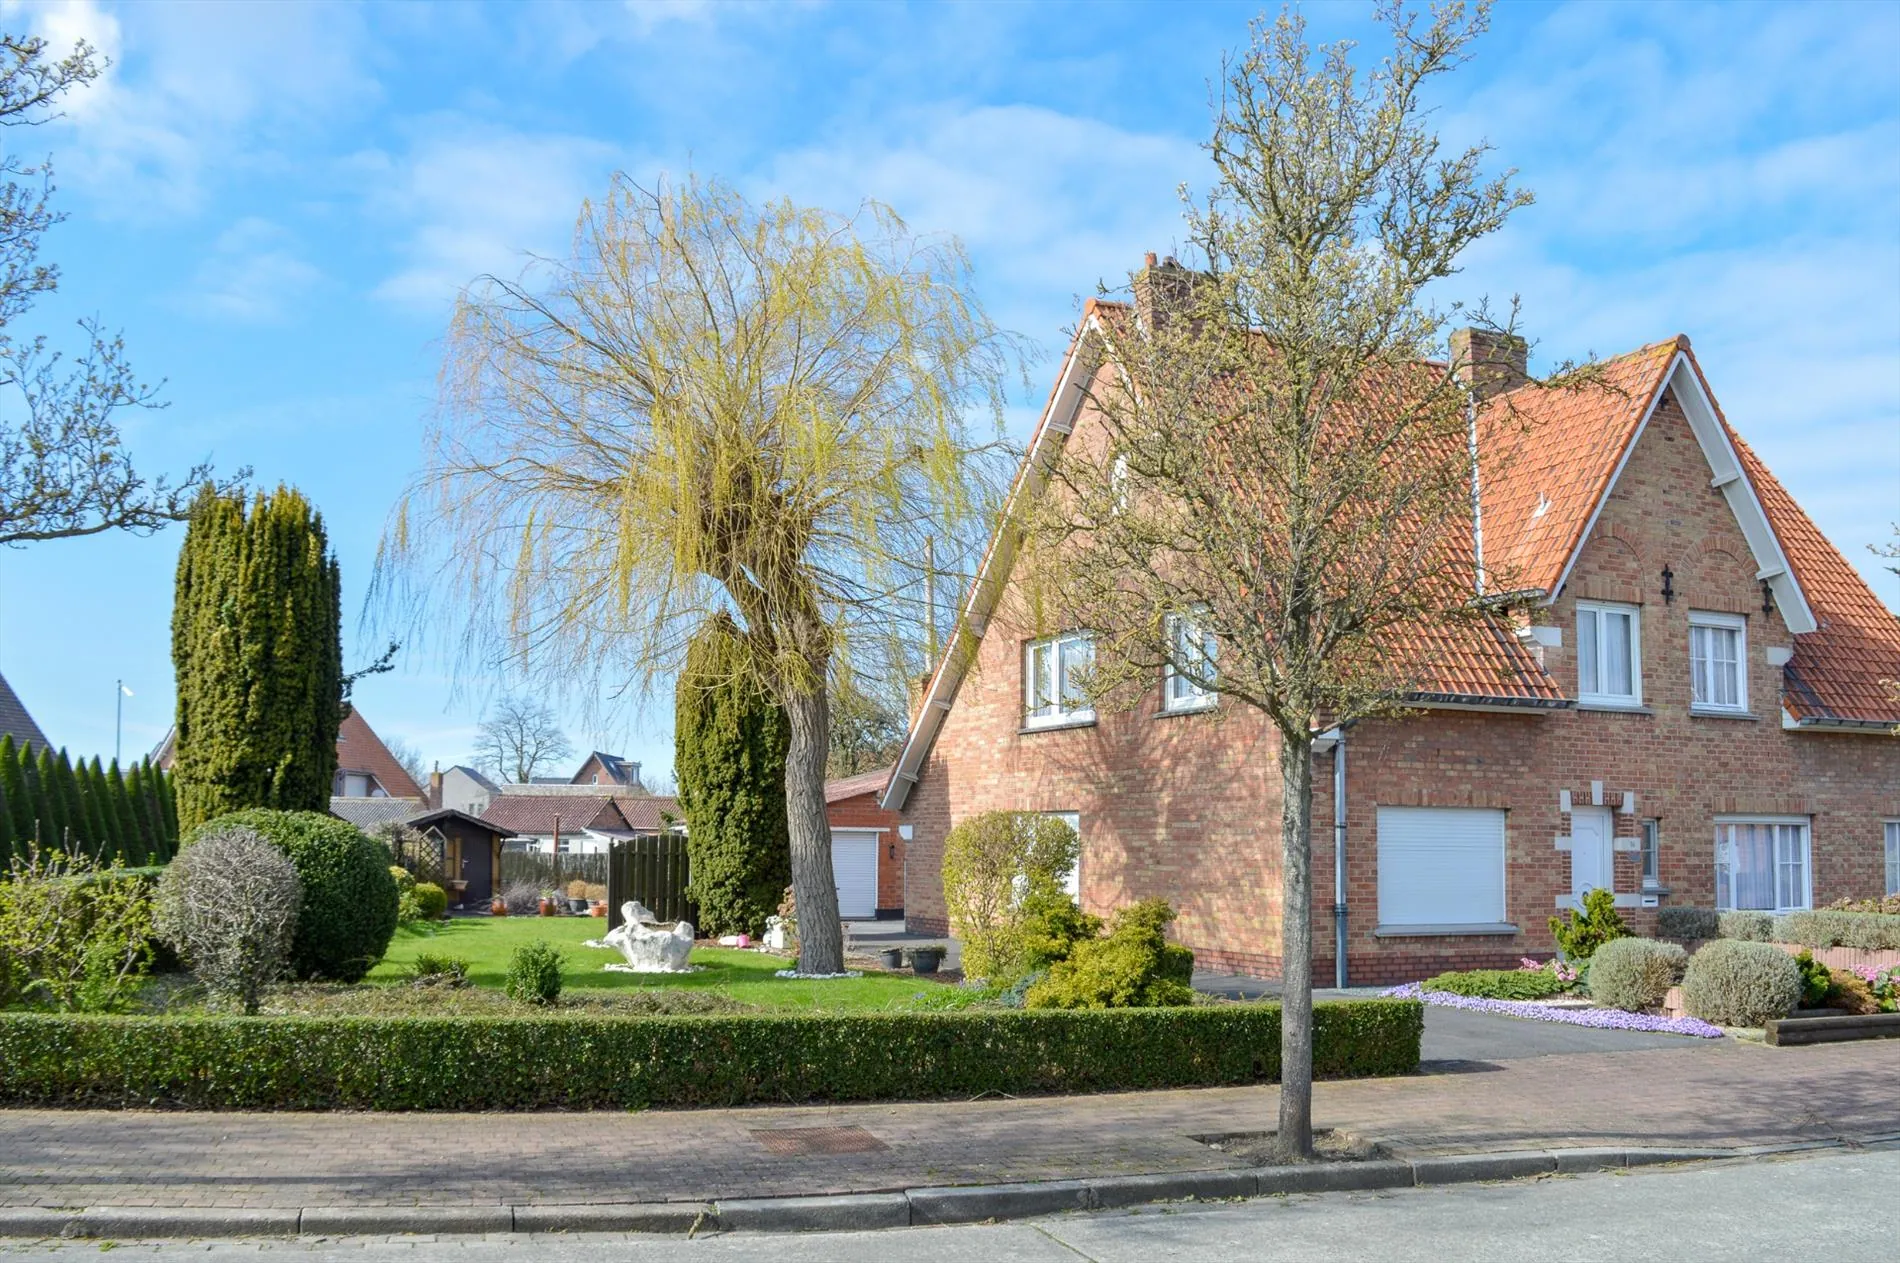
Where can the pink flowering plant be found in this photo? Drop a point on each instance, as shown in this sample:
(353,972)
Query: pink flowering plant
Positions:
(1884,984)
(1564,973)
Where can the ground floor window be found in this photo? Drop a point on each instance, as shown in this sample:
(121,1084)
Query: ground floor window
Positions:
(1441,866)
(1072,880)
(1893,857)
(1651,853)
(1762,864)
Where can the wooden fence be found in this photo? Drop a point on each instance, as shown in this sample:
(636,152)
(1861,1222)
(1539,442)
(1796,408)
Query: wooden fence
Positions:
(551,872)
(652,870)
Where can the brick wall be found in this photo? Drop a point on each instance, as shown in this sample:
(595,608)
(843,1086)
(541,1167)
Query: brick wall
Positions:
(1187,807)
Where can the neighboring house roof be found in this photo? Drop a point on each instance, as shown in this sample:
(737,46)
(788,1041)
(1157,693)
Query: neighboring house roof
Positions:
(443,814)
(852,786)
(520,815)
(14,721)
(1548,460)
(359,749)
(643,811)
(167,747)
(368,813)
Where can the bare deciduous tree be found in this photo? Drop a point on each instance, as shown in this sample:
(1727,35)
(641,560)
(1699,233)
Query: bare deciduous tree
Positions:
(1277,498)
(713,406)
(519,737)
(229,904)
(64,470)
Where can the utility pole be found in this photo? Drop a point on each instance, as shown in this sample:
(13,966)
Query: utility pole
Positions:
(930,601)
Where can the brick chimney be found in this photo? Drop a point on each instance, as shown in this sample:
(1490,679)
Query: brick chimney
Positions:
(1161,287)
(1490,362)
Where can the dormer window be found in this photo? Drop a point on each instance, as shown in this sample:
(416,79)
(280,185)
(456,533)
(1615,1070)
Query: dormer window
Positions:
(1609,654)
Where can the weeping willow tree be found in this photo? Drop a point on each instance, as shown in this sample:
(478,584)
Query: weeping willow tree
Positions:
(710,407)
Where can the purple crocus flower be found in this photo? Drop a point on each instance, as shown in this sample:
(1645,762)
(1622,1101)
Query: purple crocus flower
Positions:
(1602,1019)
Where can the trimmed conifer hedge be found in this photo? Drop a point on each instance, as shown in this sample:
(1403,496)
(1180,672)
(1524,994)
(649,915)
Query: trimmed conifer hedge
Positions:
(593,1062)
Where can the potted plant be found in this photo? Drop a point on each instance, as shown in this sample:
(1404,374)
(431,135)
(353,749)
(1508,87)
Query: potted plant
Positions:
(497,908)
(596,895)
(577,898)
(925,958)
(892,957)
(547,903)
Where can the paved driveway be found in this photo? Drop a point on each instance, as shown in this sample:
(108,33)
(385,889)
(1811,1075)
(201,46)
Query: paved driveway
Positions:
(1454,1035)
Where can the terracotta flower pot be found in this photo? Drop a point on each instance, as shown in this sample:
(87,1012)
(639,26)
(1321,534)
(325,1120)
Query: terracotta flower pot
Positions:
(547,907)
(598,908)
(496,908)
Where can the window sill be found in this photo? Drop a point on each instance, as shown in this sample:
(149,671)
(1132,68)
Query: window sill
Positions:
(1174,712)
(1059,726)
(1716,712)
(1496,928)
(1616,708)
(1653,888)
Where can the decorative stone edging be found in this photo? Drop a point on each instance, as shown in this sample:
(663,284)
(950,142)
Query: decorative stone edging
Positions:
(1600,1019)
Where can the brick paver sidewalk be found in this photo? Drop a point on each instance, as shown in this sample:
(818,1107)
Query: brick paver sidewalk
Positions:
(1698,1095)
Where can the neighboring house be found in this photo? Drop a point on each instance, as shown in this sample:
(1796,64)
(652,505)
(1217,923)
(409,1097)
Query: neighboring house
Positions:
(575,824)
(364,766)
(368,814)
(607,769)
(1701,714)
(867,848)
(14,721)
(462,788)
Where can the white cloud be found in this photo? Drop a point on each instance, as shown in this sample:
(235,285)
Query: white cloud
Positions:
(253,275)
(479,199)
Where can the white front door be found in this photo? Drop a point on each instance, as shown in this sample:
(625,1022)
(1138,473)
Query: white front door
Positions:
(854,869)
(1592,859)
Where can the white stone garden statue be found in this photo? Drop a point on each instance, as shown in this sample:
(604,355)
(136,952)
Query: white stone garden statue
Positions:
(649,946)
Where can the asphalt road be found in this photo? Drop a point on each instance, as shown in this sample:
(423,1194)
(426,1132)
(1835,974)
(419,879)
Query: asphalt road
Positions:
(1838,1206)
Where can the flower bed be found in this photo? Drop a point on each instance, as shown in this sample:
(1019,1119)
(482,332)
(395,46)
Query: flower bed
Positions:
(1602,1019)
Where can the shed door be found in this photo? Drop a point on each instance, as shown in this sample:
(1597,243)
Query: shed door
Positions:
(854,868)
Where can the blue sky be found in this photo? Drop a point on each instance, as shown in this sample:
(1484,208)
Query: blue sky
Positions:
(277,203)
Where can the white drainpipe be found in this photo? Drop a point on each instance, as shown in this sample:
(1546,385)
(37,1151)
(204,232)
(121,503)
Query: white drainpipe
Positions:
(1335,740)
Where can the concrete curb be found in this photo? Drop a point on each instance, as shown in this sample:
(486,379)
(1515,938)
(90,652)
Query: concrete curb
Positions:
(858,1212)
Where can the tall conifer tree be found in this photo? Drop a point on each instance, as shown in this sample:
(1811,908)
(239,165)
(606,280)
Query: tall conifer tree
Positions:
(19,805)
(42,827)
(258,655)
(92,793)
(730,741)
(143,816)
(125,825)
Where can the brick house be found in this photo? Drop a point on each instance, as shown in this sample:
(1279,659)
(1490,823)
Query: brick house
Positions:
(867,847)
(1699,712)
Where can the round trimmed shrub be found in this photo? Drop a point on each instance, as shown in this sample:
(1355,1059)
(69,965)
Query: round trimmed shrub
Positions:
(1732,982)
(229,906)
(1635,973)
(534,974)
(349,898)
(432,902)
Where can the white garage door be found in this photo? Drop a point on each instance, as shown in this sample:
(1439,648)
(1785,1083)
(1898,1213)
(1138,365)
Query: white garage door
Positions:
(1441,866)
(854,868)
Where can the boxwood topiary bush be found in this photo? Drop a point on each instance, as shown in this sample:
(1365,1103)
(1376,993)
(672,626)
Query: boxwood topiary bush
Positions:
(349,898)
(1750,927)
(1732,982)
(1635,973)
(534,974)
(1689,923)
(1498,984)
(432,902)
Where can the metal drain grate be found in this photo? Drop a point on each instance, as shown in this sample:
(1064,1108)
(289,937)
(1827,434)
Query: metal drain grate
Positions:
(798,1142)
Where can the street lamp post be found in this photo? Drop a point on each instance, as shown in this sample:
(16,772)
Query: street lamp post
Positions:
(118,726)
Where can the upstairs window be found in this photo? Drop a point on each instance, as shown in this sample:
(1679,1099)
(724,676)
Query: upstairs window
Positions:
(1609,657)
(1718,662)
(1189,645)
(1053,674)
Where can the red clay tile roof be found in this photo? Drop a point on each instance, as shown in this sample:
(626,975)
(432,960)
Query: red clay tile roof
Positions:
(851,786)
(1547,458)
(1478,663)
(359,749)
(1847,670)
(643,811)
(521,814)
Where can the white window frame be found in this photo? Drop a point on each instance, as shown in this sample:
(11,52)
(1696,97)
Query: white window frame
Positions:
(1065,707)
(1791,855)
(1596,612)
(1178,693)
(1700,620)
(1892,830)
(1072,880)
(1650,854)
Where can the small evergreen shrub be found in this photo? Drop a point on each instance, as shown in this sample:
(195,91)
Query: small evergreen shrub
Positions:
(1870,931)
(229,906)
(1499,984)
(534,974)
(1815,980)
(1579,934)
(1688,923)
(1635,973)
(349,898)
(1733,982)
(1051,924)
(432,902)
(1749,927)
(1850,993)
(1133,967)
(74,936)
(405,882)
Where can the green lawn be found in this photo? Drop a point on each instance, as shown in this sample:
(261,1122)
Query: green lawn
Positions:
(487,943)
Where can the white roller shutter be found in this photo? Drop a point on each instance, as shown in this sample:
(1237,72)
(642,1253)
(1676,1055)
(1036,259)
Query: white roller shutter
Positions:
(1441,866)
(854,868)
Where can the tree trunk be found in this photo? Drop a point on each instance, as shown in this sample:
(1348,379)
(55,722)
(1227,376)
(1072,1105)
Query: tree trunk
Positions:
(820,936)
(1295,1137)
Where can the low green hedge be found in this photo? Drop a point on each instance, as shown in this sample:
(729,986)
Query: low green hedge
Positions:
(1498,984)
(559,1062)
(1827,927)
